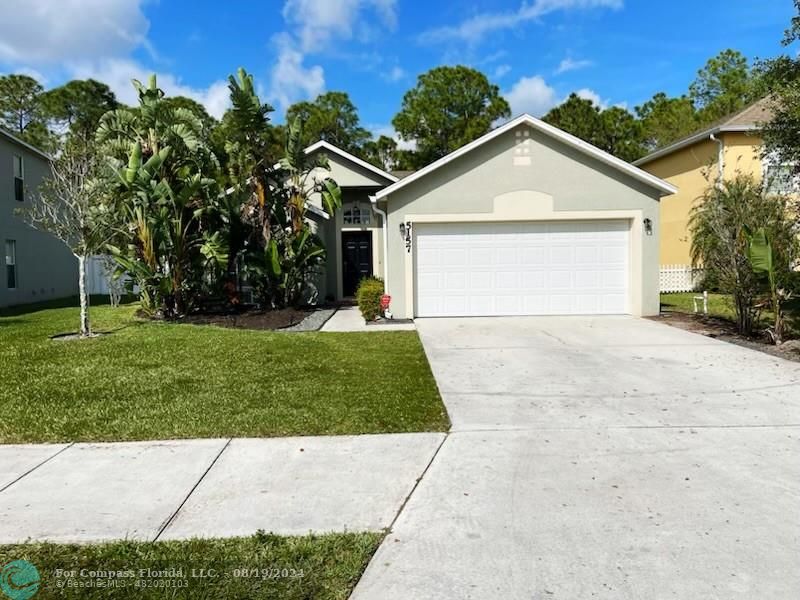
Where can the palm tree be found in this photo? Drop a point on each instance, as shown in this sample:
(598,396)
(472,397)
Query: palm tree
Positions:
(166,194)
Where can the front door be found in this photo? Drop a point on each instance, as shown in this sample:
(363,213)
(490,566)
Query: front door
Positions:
(356,259)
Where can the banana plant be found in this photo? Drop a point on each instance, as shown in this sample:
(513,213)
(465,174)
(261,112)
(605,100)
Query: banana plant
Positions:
(762,260)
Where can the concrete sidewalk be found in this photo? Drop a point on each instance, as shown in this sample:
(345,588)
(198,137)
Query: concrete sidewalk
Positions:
(207,488)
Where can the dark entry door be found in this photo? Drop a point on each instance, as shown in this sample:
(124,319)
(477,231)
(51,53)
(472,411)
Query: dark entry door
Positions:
(356,259)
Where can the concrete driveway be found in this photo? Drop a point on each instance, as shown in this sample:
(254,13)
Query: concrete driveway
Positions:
(601,458)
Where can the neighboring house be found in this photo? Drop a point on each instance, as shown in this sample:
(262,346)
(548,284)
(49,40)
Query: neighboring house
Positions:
(36,266)
(732,145)
(526,220)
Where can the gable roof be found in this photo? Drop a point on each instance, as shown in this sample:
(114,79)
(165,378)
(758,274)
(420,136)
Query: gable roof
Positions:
(25,145)
(750,118)
(568,139)
(322,144)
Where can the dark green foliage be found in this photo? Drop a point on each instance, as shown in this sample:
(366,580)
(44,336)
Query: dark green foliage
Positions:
(725,85)
(323,567)
(78,105)
(382,153)
(782,77)
(22,111)
(165,199)
(614,129)
(331,117)
(448,108)
(665,120)
(368,295)
(720,225)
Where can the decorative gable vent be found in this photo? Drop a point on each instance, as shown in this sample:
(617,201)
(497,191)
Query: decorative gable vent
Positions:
(522,148)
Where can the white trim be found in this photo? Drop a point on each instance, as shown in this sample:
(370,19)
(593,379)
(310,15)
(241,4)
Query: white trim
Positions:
(354,159)
(385,236)
(571,140)
(313,208)
(693,139)
(25,145)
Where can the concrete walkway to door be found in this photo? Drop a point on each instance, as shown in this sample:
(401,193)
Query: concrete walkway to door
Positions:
(348,318)
(607,458)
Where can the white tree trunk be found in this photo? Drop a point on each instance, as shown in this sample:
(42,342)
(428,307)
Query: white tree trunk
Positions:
(84,296)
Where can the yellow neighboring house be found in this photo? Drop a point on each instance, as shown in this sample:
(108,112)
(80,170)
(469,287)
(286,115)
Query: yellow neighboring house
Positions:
(731,145)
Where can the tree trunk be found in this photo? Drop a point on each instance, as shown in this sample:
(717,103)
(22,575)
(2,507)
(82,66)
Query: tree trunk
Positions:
(84,296)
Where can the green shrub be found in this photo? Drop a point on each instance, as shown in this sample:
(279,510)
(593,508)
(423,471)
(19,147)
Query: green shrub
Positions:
(369,293)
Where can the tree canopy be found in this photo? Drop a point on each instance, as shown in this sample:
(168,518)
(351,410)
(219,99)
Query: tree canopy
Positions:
(78,105)
(782,79)
(666,119)
(22,110)
(613,129)
(331,117)
(449,107)
(724,85)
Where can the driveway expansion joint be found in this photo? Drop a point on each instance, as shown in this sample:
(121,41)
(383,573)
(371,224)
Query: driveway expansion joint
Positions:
(416,483)
(31,470)
(173,516)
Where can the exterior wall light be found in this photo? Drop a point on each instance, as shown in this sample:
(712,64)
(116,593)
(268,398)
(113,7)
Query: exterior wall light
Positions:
(648,226)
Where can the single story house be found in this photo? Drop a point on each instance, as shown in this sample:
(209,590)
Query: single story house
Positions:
(526,220)
(36,266)
(730,146)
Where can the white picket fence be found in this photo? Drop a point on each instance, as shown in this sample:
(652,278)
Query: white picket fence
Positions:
(679,278)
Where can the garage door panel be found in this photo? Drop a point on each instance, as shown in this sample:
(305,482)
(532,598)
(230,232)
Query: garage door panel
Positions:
(547,268)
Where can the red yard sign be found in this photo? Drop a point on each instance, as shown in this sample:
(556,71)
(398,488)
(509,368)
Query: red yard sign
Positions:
(386,299)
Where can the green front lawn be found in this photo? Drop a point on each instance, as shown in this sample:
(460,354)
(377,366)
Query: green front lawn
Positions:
(262,566)
(161,381)
(720,305)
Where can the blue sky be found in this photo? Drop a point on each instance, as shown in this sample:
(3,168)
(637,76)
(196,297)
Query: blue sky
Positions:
(537,51)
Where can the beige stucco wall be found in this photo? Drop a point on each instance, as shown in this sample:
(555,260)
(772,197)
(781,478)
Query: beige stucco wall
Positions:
(692,169)
(46,269)
(559,183)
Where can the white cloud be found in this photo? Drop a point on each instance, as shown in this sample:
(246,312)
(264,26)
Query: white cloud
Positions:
(531,95)
(314,26)
(501,70)
(589,94)
(396,73)
(472,30)
(569,64)
(46,32)
(37,75)
(117,73)
(291,79)
(534,96)
(389,131)
(592,96)
(318,22)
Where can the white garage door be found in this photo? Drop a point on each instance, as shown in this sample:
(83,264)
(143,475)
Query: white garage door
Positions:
(544,268)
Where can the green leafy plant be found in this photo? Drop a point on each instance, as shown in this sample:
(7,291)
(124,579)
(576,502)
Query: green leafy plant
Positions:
(166,196)
(368,296)
(762,260)
(720,223)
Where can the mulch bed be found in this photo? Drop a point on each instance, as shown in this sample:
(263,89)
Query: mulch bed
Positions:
(265,320)
(725,330)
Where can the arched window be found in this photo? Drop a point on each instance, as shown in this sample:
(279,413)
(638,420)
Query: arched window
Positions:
(355,214)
